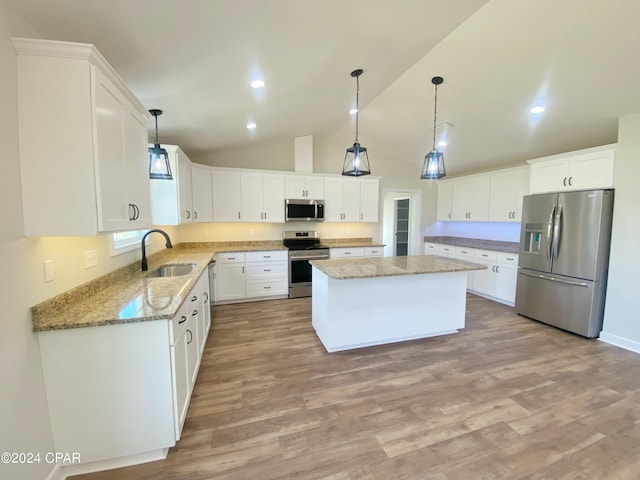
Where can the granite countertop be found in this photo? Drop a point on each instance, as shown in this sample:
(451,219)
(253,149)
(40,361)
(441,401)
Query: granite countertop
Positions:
(127,296)
(345,269)
(349,242)
(497,245)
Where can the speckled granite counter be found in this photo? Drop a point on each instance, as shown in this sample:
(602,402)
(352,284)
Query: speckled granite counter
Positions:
(497,245)
(127,296)
(349,242)
(345,269)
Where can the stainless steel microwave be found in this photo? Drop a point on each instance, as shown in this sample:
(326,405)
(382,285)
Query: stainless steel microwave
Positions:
(303,210)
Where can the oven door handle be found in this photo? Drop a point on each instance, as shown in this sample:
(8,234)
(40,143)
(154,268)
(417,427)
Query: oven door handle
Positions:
(319,257)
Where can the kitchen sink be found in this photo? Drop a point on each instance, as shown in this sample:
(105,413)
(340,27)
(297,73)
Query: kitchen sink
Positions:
(172,270)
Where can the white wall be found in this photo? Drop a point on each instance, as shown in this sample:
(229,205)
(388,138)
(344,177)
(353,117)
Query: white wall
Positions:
(621,317)
(24,422)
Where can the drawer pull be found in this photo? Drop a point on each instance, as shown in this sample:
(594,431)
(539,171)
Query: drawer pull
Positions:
(510,259)
(267,287)
(266,256)
(484,255)
(183,319)
(194,298)
(267,270)
(195,312)
(231,258)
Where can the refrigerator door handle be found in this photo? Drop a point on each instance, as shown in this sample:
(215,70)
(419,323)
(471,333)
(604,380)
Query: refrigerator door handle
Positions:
(550,233)
(554,279)
(557,231)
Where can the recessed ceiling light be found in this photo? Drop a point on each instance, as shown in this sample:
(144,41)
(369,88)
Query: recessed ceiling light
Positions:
(251,126)
(537,109)
(353,111)
(259,83)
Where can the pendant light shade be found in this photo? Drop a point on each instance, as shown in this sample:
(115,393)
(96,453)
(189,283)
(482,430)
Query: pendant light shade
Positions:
(159,167)
(433,167)
(356,160)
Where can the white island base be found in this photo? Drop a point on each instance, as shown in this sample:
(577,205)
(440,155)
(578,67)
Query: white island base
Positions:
(360,312)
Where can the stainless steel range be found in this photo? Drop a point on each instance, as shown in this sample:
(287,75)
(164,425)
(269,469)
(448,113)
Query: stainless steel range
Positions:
(303,246)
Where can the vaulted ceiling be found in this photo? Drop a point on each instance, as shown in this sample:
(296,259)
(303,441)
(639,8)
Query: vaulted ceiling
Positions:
(194,59)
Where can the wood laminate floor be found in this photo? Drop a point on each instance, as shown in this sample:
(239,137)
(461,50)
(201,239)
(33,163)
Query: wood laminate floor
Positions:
(507,398)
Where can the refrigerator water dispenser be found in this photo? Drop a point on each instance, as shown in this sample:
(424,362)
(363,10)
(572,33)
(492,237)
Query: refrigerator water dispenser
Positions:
(532,237)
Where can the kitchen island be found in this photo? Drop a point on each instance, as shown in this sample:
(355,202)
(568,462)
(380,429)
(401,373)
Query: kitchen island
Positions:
(372,301)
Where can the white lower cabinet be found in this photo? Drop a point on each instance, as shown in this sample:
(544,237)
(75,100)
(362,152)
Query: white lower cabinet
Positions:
(242,276)
(497,282)
(120,393)
(356,252)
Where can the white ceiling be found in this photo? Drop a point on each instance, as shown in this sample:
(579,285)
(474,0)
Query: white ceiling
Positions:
(194,59)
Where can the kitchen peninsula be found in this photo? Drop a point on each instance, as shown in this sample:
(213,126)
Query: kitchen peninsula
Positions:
(372,301)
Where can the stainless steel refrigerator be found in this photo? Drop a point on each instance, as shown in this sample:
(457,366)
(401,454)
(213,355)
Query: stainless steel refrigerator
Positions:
(564,258)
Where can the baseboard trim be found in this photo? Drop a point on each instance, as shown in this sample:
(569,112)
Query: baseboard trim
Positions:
(82,468)
(621,342)
(56,473)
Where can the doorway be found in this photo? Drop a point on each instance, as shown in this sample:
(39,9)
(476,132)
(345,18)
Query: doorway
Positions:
(401,222)
(401,244)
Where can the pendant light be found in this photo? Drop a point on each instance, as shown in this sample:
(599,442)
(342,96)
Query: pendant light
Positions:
(356,160)
(159,167)
(433,167)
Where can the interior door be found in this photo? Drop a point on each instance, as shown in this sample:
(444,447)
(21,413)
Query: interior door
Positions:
(536,231)
(401,245)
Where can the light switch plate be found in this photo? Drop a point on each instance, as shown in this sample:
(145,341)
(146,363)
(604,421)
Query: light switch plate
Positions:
(49,273)
(90,258)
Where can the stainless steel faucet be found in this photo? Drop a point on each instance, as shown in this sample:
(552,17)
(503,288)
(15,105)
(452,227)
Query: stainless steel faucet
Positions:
(144,237)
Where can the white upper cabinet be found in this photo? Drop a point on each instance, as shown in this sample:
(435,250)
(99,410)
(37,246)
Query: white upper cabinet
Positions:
(508,186)
(445,200)
(350,199)
(262,197)
(83,143)
(369,194)
(227,198)
(580,170)
(187,197)
(304,186)
(201,193)
(471,198)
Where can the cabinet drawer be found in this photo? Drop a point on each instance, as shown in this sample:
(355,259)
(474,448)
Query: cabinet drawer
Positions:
(465,252)
(347,252)
(266,269)
(373,251)
(268,256)
(447,250)
(486,255)
(179,322)
(264,288)
(508,258)
(237,257)
(431,248)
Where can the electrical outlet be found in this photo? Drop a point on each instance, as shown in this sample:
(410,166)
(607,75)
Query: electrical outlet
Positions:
(90,258)
(49,273)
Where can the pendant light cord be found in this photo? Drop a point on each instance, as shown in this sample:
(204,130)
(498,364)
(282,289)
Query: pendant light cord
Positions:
(435,115)
(156,116)
(357,104)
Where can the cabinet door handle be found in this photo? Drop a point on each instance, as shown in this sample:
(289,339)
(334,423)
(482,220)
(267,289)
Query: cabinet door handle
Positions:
(265,215)
(570,178)
(242,269)
(497,269)
(206,297)
(564,182)
(195,215)
(238,215)
(449,215)
(187,214)
(190,337)
(182,319)
(361,216)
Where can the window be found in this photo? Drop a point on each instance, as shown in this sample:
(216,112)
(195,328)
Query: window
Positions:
(126,241)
